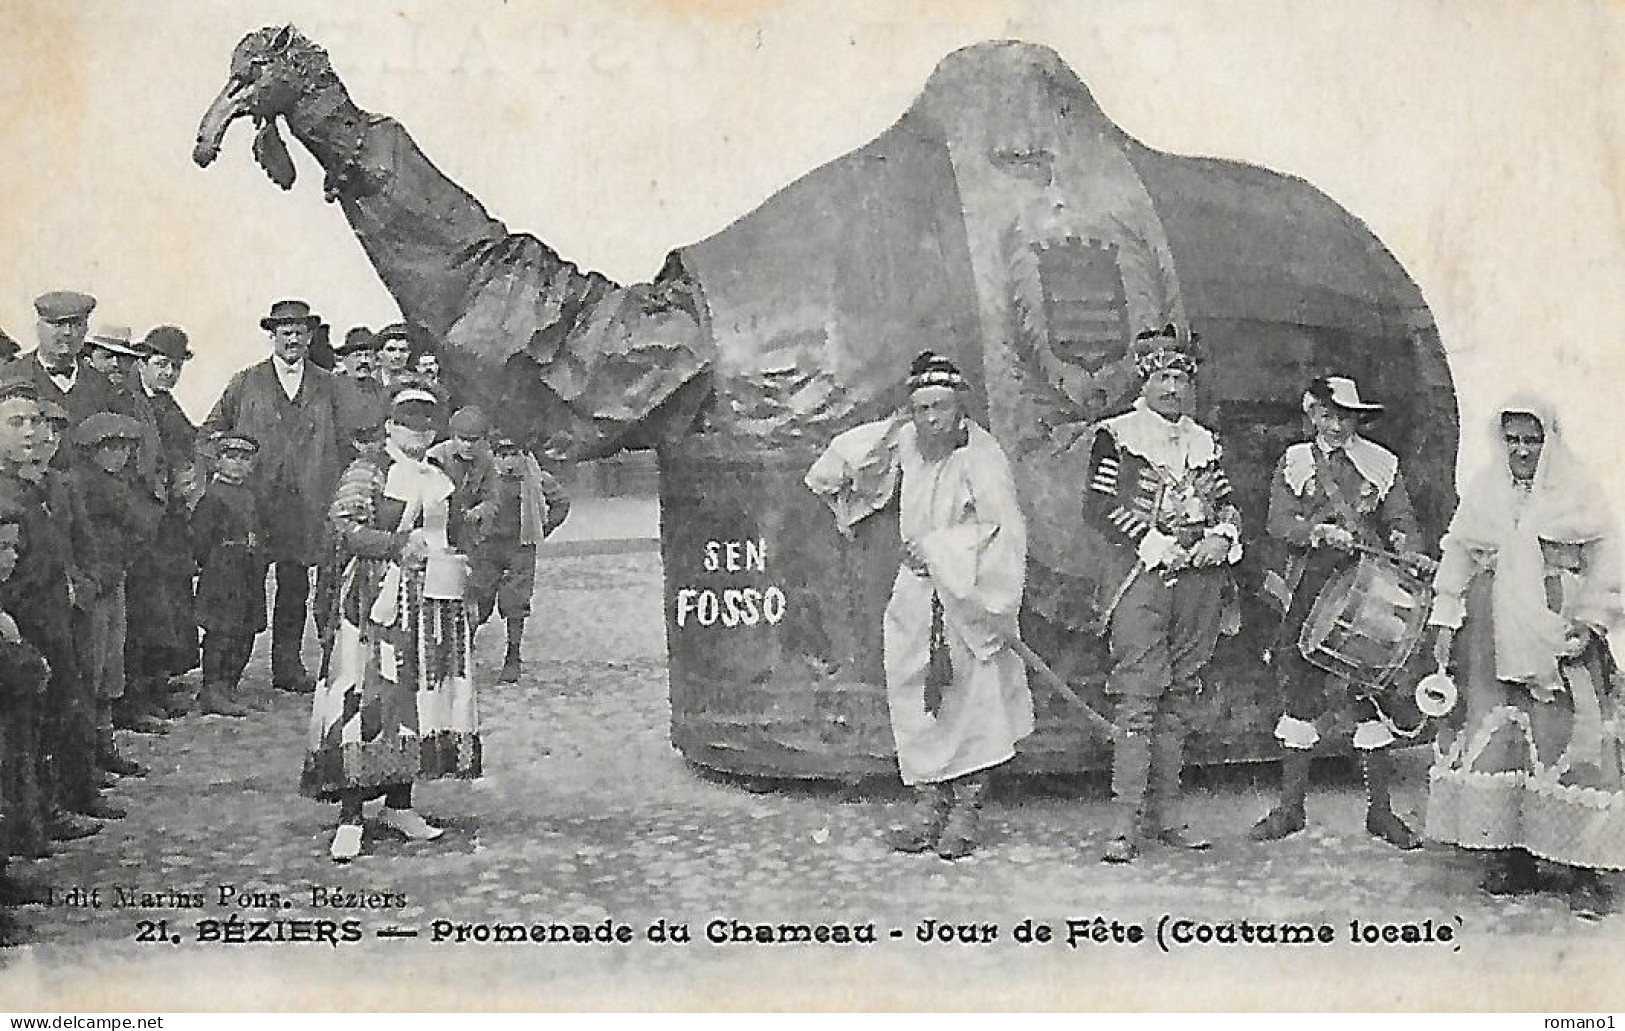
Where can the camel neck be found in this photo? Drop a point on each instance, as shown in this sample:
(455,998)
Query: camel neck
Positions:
(330,125)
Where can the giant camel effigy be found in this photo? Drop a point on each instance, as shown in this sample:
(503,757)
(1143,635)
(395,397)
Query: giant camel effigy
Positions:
(1003,220)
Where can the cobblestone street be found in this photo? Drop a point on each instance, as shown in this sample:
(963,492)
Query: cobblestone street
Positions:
(587,814)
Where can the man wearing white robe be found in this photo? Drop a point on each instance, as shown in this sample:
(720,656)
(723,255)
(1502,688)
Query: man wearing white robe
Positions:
(957,592)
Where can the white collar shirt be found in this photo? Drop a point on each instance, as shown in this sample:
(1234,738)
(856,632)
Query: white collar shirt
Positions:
(64,381)
(290,376)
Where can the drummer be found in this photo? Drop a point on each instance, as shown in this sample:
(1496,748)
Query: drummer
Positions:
(1329,497)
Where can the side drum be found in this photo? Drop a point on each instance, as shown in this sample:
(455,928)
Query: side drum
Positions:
(1367,622)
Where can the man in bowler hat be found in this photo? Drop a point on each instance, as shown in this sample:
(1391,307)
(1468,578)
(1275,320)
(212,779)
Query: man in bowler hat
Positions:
(292,408)
(163,639)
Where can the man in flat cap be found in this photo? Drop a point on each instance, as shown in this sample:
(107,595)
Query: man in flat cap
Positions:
(955,688)
(54,366)
(1158,495)
(162,641)
(293,409)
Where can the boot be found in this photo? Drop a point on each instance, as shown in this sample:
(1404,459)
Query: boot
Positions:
(214,700)
(288,671)
(1512,872)
(109,759)
(1131,769)
(1162,809)
(959,838)
(178,697)
(126,718)
(511,666)
(143,701)
(1380,821)
(1287,817)
(925,822)
(295,681)
(65,826)
(100,808)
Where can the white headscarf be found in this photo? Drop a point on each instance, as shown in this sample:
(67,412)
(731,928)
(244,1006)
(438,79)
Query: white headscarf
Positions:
(1564,505)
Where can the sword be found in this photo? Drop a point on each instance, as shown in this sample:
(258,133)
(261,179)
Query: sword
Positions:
(1053,679)
(1062,688)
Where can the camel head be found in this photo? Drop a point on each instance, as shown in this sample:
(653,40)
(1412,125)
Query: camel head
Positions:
(273,71)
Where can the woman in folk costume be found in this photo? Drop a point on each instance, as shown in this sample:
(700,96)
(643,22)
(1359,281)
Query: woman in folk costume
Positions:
(955,690)
(397,704)
(1527,584)
(1328,496)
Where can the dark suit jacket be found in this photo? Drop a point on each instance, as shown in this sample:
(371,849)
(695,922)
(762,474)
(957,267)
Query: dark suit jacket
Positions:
(299,458)
(92,392)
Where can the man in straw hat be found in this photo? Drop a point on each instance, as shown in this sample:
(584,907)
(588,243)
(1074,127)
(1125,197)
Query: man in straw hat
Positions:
(112,351)
(1158,493)
(1328,496)
(292,408)
(955,688)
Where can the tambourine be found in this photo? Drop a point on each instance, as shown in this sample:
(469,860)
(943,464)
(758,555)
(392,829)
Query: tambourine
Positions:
(1436,694)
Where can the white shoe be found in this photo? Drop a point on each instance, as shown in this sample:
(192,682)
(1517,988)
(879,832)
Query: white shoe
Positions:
(346,843)
(407,822)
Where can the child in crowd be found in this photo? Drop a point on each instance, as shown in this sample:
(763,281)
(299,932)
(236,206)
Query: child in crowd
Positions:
(519,505)
(23,675)
(227,543)
(116,522)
